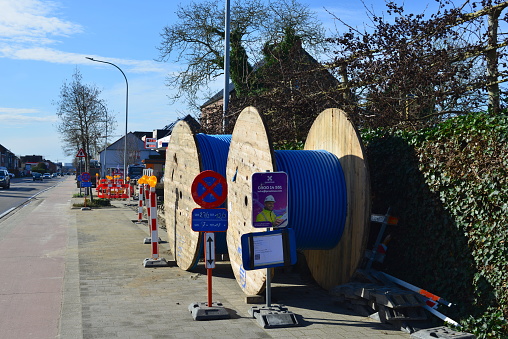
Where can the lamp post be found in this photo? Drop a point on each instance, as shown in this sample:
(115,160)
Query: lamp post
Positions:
(126,113)
(227,25)
(105,168)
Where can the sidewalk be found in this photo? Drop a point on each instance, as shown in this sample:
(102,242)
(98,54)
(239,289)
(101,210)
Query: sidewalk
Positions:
(108,293)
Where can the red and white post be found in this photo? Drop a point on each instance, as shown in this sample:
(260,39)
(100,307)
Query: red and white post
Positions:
(154,231)
(140,204)
(148,211)
(155,260)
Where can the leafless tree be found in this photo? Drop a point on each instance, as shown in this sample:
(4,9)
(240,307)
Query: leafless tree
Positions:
(82,114)
(197,40)
(414,70)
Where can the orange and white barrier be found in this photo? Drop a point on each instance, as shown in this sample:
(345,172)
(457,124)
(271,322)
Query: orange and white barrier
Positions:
(155,260)
(112,188)
(140,204)
(154,230)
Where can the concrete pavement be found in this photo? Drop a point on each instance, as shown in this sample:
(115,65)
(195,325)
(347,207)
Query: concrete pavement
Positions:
(84,278)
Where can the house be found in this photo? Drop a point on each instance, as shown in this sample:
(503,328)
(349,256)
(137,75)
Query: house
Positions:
(112,158)
(163,137)
(289,82)
(9,160)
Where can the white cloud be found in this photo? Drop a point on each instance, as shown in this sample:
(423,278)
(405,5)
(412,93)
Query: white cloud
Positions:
(23,116)
(31,21)
(28,27)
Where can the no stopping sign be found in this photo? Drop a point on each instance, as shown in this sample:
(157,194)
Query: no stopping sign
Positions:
(209,189)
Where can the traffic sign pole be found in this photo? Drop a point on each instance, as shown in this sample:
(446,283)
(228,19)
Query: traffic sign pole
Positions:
(209,238)
(209,190)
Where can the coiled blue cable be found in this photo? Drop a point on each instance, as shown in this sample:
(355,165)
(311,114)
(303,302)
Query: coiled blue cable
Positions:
(317,197)
(213,150)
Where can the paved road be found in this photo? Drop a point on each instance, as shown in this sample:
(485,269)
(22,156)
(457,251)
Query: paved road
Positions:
(22,190)
(68,273)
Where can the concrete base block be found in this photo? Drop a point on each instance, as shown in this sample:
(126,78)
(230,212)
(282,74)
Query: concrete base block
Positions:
(201,311)
(149,262)
(273,316)
(441,332)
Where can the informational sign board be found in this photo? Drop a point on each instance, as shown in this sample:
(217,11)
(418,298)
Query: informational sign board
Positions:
(209,189)
(209,220)
(150,143)
(269,199)
(268,249)
(85,176)
(86,184)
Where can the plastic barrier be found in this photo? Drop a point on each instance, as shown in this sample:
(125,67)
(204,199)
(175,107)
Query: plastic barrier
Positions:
(112,188)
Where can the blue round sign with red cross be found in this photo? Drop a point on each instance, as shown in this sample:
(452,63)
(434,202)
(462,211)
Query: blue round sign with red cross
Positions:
(85,176)
(209,189)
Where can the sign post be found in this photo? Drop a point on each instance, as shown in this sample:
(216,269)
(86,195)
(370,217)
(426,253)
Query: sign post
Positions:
(85,182)
(81,154)
(209,190)
(271,248)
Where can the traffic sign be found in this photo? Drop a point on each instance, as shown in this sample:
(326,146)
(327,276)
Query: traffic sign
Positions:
(150,143)
(85,176)
(209,220)
(86,184)
(81,153)
(210,250)
(209,189)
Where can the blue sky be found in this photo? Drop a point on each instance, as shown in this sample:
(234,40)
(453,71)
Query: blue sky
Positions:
(43,42)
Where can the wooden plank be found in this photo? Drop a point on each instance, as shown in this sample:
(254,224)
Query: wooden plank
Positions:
(182,166)
(333,132)
(250,151)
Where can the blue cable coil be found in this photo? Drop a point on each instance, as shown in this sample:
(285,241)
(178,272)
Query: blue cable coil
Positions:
(213,150)
(317,197)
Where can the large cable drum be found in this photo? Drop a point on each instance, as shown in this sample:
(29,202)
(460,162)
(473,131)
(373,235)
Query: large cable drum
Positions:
(187,155)
(319,197)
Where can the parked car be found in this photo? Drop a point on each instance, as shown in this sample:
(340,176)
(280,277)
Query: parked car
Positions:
(5,179)
(54,175)
(46,175)
(36,176)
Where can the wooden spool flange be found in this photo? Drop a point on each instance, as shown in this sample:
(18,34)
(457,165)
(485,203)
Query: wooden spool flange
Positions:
(250,151)
(183,164)
(332,131)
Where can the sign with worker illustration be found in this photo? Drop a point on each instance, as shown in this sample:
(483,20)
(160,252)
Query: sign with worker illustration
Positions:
(270,199)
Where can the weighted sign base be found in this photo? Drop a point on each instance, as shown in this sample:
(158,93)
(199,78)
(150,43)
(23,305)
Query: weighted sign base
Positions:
(149,262)
(149,240)
(273,316)
(200,311)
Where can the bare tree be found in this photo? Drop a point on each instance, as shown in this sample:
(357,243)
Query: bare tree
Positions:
(197,39)
(82,117)
(414,70)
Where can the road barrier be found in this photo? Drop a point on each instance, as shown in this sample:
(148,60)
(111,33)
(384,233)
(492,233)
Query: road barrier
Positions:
(112,188)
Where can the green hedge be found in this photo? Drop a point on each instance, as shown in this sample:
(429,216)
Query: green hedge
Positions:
(449,187)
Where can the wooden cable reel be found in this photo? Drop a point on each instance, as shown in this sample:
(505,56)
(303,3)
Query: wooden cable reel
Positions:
(251,151)
(182,166)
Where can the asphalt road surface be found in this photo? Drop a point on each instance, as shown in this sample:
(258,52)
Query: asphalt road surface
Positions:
(21,191)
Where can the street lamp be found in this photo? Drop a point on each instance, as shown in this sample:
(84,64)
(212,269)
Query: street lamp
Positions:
(105,168)
(126,113)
